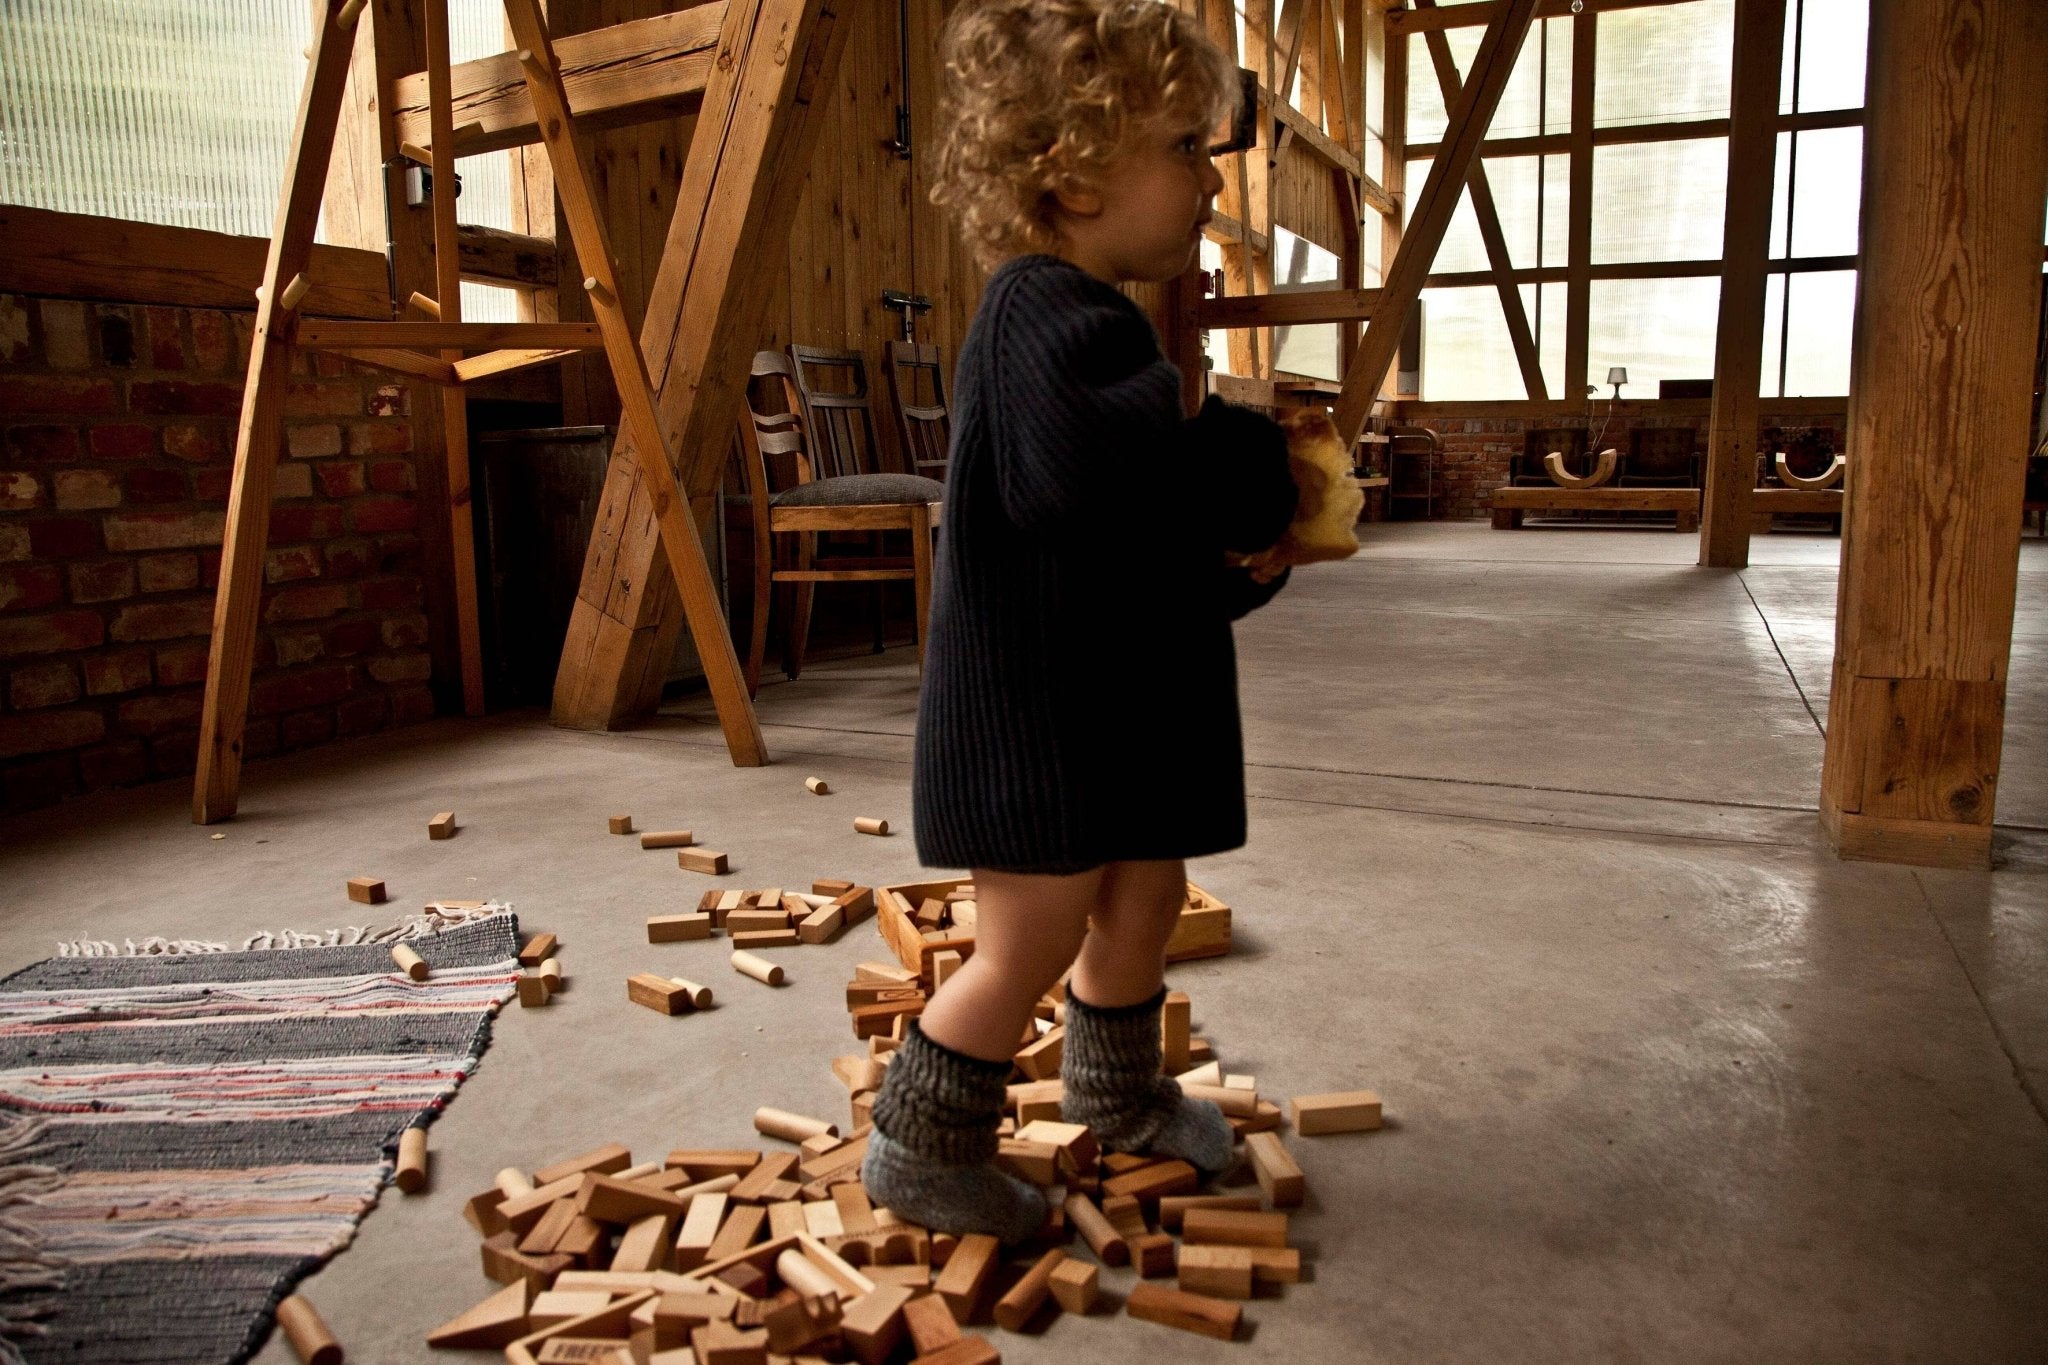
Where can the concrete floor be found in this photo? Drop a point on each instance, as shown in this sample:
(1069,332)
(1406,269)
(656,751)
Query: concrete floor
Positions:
(1533,853)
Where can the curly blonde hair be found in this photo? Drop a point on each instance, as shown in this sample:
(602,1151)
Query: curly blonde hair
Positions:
(1042,94)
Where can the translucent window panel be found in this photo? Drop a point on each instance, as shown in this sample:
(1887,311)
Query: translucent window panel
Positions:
(1300,264)
(1829,192)
(1659,201)
(1546,316)
(1770,384)
(1822,306)
(1465,348)
(488,303)
(1515,181)
(1538,97)
(1462,248)
(174,111)
(1656,329)
(1832,44)
(1427,117)
(1216,341)
(1664,64)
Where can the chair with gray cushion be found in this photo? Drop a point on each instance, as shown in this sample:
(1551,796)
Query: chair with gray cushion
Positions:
(809,506)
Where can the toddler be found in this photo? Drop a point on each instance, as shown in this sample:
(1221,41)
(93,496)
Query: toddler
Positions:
(1078,731)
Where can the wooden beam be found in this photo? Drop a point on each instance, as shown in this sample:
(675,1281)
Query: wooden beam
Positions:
(1491,67)
(1636,134)
(1472,15)
(635,72)
(344,336)
(1290,308)
(1488,214)
(1224,228)
(473,368)
(1393,160)
(494,256)
(1745,249)
(1578,285)
(1638,270)
(406,362)
(1296,124)
(82,256)
(1941,377)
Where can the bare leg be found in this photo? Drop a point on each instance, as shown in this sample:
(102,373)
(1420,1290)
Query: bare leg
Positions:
(1027,930)
(1123,959)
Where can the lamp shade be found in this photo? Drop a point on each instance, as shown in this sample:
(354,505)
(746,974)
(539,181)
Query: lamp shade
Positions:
(1618,375)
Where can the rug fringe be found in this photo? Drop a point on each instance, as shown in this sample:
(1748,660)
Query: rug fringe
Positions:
(435,918)
(29,1276)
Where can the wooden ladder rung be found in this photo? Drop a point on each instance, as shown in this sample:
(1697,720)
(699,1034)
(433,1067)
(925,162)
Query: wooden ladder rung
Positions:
(406,362)
(476,367)
(320,334)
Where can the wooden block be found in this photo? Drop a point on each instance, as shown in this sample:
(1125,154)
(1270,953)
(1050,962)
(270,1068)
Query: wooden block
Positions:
(1189,1312)
(867,824)
(872,1324)
(966,1274)
(856,903)
(537,950)
(1024,1298)
(583,1351)
(818,786)
(856,1212)
(1126,1215)
(308,1334)
(1036,1100)
(1234,1227)
(1278,1176)
(667,838)
(750,921)
(721,1343)
(699,1230)
(1152,1254)
(556,1307)
(1201,1050)
(969,1350)
(1036,1162)
(481,1212)
(707,1163)
(1250,1083)
(505,1263)
(796,1324)
(645,1243)
(767,938)
(442,826)
(1174,1023)
(1074,1285)
(622,824)
(1076,1144)
(790,1127)
(613,1322)
(740,1230)
(658,993)
(1345,1111)
(1174,1206)
(611,1200)
(821,926)
(887,973)
(748,1278)
(1275,1265)
(699,996)
(868,1020)
(409,962)
(760,968)
(1209,1073)
(498,1321)
(1242,1104)
(678,928)
(703,860)
(931,1324)
(845,1157)
(609,1159)
(943,966)
(931,915)
(553,1225)
(1152,1182)
(523,1211)
(1265,1120)
(914,1275)
(754,1185)
(1041,1060)
(366,890)
(1101,1235)
(411,1172)
(786,1218)
(551,973)
(1224,1271)
(821,1219)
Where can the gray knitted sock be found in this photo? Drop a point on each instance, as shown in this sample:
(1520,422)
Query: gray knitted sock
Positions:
(1110,1069)
(931,1156)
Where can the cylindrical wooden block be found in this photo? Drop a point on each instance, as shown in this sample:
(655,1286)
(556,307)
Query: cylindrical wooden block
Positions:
(409,962)
(760,968)
(1238,1104)
(670,838)
(799,1274)
(644,1169)
(412,1161)
(551,972)
(622,824)
(1015,1308)
(1103,1239)
(791,1127)
(867,824)
(818,786)
(513,1182)
(306,1332)
(700,996)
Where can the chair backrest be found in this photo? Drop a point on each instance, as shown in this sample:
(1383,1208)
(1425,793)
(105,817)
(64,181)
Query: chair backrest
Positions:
(833,388)
(773,443)
(1669,453)
(1569,442)
(919,387)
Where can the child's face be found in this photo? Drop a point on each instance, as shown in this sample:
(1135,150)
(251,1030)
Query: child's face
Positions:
(1142,219)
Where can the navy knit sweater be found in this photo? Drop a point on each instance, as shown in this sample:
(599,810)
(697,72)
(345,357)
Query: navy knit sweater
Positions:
(1079,703)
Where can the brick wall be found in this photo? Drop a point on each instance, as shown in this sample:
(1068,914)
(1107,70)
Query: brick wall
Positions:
(117,437)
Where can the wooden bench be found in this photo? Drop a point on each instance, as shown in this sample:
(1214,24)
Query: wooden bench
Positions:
(1509,504)
(1765,503)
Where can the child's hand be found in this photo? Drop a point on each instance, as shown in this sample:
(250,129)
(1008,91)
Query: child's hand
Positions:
(1329,503)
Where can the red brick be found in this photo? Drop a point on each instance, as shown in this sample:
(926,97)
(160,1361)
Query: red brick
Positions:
(121,441)
(158,715)
(341,478)
(302,728)
(181,665)
(392,476)
(87,489)
(385,514)
(390,400)
(312,441)
(110,580)
(30,587)
(58,633)
(345,638)
(65,343)
(174,755)
(121,764)
(19,490)
(324,398)
(14,331)
(349,558)
(37,394)
(41,685)
(166,339)
(64,538)
(382,594)
(164,530)
(46,732)
(125,670)
(213,485)
(405,632)
(361,715)
(163,620)
(43,445)
(293,562)
(291,481)
(306,604)
(213,342)
(380,438)
(185,398)
(297,647)
(167,573)
(410,705)
(293,525)
(398,554)
(158,485)
(402,668)
(319,686)
(198,445)
(13,543)
(37,782)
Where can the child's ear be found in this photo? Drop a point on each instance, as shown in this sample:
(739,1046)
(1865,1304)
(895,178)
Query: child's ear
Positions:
(1078,198)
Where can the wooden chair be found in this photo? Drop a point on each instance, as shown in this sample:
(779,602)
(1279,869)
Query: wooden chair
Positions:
(919,388)
(1413,454)
(869,503)
(1661,457)
(839,417)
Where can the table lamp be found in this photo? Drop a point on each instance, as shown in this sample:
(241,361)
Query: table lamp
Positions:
(1617,377)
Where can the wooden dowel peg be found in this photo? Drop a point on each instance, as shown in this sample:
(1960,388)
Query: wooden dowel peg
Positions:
(551,972)
(412,151)
(799,1274)
(513,1182)
(294,292)
(791,1127)
(818,786)
(409,962)
(594,287)
(351,11)
(411,1175)
(700,996)
(420,302)
(760,968)
(307,1332)
(532,63)
(867,824)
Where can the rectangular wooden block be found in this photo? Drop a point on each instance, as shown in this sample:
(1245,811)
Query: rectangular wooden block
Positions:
(610,1200)
(1278,1176)
(1224,1271)
(872,1324)
(533,990)
(708,1163)
(1275,1265)
(748,940)
(821,926)
(1175,1020)
(658,993)
(609,1159)
(741,1229)
(1234,1227)
(645,1244)
(1174,1206)
(1036,1162)
(830,886)
(703,860)
(537,950)
(699,1230)
(931,1324)
(442,826)
(1152,1254)
(1075,1284)
(885,973)
(366,890)
(1189,1312)
(966,1274)
(770,1170)
(750,921)
(1346,1111)
(1151,1182)
(1041,1060)
(678,928)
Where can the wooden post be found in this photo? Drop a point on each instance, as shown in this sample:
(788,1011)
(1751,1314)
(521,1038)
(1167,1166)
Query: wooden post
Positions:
(1941,367)
(1393,160)
(1578,285)
(1745,253)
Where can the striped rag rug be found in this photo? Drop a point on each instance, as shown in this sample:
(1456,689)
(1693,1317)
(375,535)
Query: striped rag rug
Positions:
(184,1135)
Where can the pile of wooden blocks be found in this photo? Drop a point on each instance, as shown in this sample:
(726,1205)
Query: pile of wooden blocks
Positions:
(769,917)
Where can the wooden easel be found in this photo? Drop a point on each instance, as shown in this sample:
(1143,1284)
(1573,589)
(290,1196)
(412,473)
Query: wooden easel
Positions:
(757,87)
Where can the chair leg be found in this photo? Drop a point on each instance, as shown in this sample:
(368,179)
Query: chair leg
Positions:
(800,614)
(764,584)
(877,603)
(921,574)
